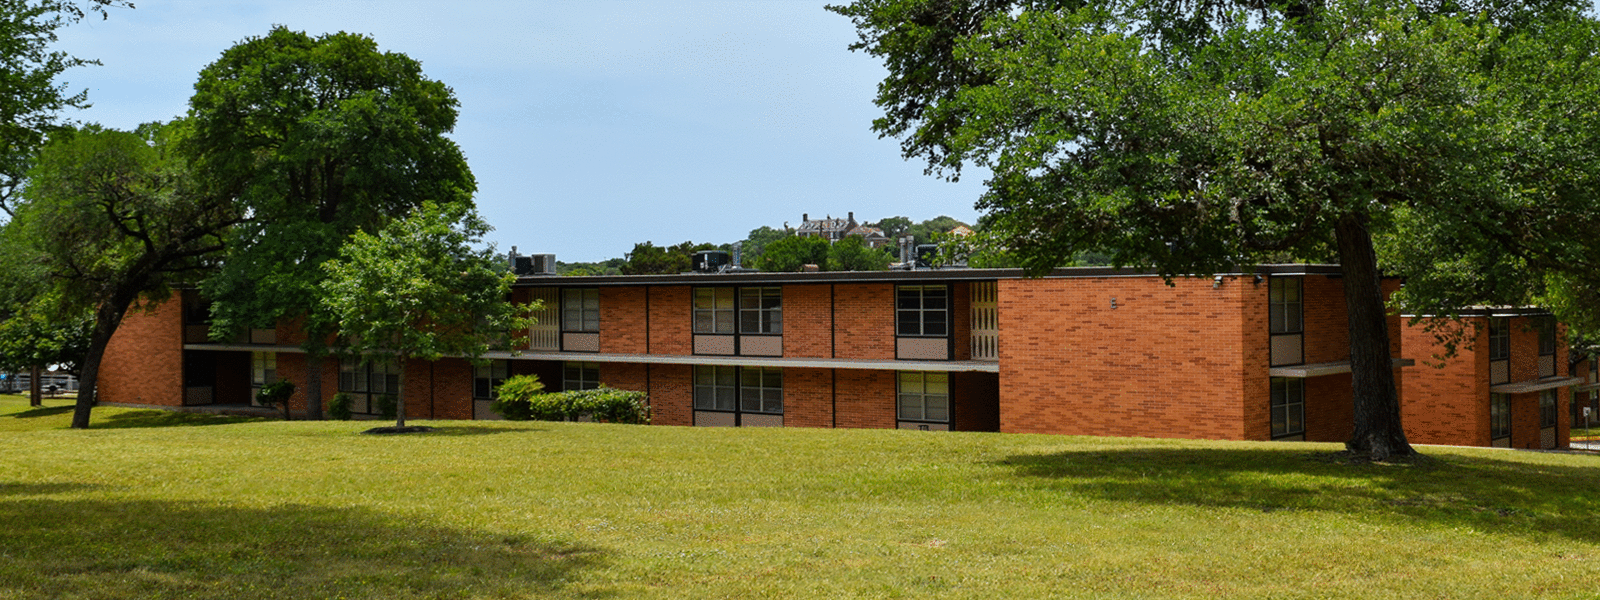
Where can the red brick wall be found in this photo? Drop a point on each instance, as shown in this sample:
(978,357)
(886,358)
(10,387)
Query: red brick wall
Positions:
(1330,411)
(961,321)
(233,377)
(633,377)
(143,363)
(807,321)
(1327,328)
(807,397)
(976,400)
(865,399)
(1446,400)
(672,395)
(1184,361)
(622,320)
(864,321)
(671,318)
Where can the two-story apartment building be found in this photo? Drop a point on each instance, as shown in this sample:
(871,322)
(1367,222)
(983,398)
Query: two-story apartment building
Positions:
(1258,355)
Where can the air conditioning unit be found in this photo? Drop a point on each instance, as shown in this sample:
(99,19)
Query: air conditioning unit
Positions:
(710,261)
(537,264)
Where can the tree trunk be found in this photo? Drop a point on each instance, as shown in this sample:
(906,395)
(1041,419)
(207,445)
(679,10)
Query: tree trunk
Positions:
(1378,432)
(36,386)
(400,399)
(106,320)
(313,387)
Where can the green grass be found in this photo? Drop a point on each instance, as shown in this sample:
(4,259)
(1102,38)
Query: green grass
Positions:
(139,508)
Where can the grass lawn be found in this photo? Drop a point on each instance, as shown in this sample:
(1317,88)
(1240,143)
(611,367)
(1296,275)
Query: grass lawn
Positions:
(155,505)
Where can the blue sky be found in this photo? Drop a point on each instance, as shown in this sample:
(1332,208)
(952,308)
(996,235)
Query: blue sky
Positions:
(589,125)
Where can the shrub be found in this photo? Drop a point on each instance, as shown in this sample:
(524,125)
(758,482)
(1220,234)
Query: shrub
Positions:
(339,407)
(519,400)
(387,406)
(513,396)
(276,393)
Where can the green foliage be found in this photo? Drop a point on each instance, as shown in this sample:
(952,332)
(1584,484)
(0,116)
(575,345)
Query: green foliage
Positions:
(30,98)
(513,398)
(603,405)
(418,289)
(35,334)
(321,137)
(791,253)
(648,259)
(754,244)
(388,406)
(852,254)
(893,227)
(340,407)
(277,393)
(589,269)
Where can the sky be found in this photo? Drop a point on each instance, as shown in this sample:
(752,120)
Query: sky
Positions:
(590,126)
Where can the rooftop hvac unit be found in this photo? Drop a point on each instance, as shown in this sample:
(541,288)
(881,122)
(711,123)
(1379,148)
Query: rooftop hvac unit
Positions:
(926,253)
(537,264)
(710,261)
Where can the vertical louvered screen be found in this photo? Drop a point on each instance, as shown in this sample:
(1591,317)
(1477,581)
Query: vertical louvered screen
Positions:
(546,331)
(985,321)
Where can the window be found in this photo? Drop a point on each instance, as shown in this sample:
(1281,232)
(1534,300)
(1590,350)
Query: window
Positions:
(1284,305)
(715,387)
(923,396)
(761,390)
(922,310)
(580,310)
(580,376)
(1499,338)
(758,389)
(1499,416)
(1547,336)
(377,378)
(1547,408)
(263,369)
(486,378)
(713,310)
(1288,406)
(757,310)
(761,310)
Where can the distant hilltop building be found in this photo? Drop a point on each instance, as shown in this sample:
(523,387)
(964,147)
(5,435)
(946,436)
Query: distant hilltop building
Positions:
(834,230)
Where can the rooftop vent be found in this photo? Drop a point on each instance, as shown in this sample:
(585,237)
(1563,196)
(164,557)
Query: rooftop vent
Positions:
(711,261)
(537,264)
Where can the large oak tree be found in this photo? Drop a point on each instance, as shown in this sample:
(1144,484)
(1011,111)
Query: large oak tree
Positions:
(319,138)
(1196,136)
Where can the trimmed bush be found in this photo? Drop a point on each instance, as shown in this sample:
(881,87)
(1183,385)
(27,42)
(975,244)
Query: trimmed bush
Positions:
(339,407)
(387,405)
(276,393)
(521,401)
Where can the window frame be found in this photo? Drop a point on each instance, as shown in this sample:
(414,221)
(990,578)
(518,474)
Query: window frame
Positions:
(1288,396)
(732,389)
(1279,306)
(1547,336)
(913,321)
(582,381)
(1499,416)
(712,308)
(358,377)
(487,377)
(767,311)
(580,310)
(921,397)
(1549,401)
(1499,338)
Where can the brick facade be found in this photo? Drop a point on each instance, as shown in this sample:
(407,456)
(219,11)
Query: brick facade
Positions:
(1089,352)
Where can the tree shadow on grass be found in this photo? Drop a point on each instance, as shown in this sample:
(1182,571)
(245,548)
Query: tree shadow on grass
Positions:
(39,489)
(152,549)
(1488,494)
(167,418)
(44,411)
(466,430)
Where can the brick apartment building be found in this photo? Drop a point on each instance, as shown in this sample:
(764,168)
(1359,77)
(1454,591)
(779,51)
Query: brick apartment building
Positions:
(1261,355)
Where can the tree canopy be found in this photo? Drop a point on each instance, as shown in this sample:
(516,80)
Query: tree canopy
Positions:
(30,98)
(650,259)
(319,138)
(110,218)
(1196,137)
(418,289)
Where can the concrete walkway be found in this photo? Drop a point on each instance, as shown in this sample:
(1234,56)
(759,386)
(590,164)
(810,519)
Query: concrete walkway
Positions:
(1590,446)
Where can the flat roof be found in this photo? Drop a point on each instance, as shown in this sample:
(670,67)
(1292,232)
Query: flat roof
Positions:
(945,274)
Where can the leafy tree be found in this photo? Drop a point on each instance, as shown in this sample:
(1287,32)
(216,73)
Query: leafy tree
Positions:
(926,231)
(417,289)
(893,227)
(321,138)
(852,254)
(34,336)
(30,98)
(756,243)
(1193,137)
(791,253)
(649,259)
(112,218)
